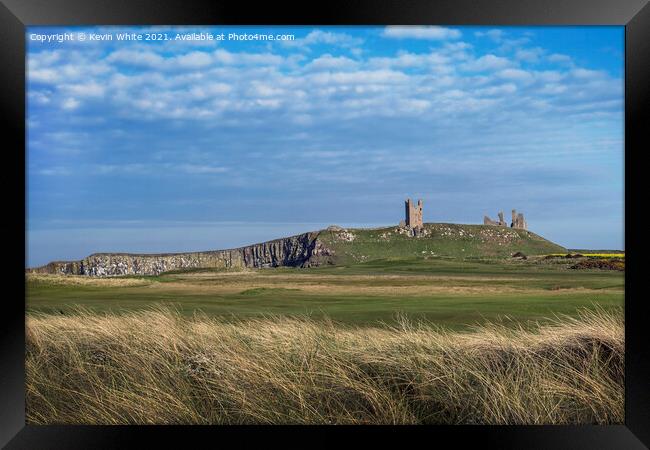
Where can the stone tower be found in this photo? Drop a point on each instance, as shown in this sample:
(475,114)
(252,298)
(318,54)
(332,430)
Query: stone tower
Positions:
(518,220)
(413,213)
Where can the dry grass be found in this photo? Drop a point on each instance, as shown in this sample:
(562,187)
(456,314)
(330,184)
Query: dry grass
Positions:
(158,367)
(82,280)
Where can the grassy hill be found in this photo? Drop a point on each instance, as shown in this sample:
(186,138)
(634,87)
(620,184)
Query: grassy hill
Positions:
(437,240)
(332,246)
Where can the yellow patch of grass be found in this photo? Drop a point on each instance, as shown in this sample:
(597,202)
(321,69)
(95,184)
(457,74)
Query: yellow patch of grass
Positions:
(595,255)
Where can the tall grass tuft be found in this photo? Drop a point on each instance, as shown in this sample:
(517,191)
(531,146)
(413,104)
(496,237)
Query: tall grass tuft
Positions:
(156,367)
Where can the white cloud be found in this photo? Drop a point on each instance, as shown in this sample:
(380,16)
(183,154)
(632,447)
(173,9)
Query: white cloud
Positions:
(509,45)
(91,89)
(361,76)
(329,38)
(141,168)
(268,103)
(559,58)
(515,75)
(586,74)
(487,62)
(193,60)
(495,35)
(56,67)
(263,89)
(201,169)
(130,168)
(70,103)
(549,76)
(243,58)
(209,90)
(42,75)
(530,55)
(434,61)
(435,33)
(328,61)
(40,97)
(136,58)
(500,90)
(414,105)
(456,50)
(55,171)
(552,89)
(225,57)
(46,57)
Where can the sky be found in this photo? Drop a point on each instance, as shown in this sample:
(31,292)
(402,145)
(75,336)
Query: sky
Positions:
(186,145)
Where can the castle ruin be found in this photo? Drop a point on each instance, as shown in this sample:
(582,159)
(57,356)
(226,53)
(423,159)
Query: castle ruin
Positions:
(413,214)
(518,221)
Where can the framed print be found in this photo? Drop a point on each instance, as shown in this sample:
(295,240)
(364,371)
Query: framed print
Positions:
(382,218)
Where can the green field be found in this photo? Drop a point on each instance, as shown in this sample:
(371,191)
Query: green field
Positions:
(455,293)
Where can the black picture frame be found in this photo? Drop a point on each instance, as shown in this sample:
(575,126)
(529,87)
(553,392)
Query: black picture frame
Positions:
(15,15)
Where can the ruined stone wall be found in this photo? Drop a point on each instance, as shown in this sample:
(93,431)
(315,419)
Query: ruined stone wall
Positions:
(488,221)
(303,250)
(518,221)
(500,223)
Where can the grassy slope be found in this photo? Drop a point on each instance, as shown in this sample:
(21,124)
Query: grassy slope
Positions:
(442,239)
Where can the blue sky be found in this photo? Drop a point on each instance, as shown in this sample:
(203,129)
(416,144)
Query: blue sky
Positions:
(153,146)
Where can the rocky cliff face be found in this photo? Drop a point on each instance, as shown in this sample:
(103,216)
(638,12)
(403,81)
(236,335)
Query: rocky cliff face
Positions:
(304,250)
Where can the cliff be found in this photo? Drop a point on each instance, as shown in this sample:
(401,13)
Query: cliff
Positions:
(303,250)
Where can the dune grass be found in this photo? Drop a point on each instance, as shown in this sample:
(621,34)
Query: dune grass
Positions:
(160,367)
